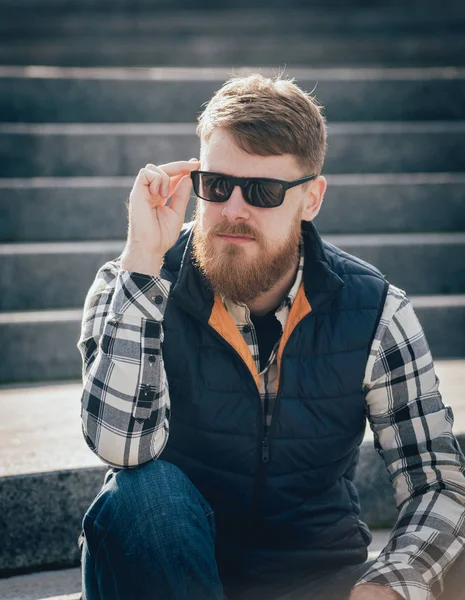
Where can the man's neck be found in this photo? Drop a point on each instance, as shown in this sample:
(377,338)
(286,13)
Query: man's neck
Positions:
(273,298)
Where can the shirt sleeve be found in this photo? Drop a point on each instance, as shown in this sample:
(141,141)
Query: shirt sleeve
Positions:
(413,434)
(125,403)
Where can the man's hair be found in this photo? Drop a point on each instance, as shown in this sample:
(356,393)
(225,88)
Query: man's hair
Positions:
(268,116)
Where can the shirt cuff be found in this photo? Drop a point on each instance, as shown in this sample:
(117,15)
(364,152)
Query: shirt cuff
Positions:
(402,578)
(139,295)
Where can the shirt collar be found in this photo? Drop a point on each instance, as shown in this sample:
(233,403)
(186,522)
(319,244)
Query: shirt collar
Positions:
(289,299)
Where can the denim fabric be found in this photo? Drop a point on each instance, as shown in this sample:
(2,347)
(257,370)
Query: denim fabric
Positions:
(150,534)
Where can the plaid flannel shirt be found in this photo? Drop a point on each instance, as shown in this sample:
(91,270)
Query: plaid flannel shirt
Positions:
(126,404)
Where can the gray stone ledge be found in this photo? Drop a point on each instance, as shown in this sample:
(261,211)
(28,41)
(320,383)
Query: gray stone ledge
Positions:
(422,264)
(67,95)
(88,208)
(72,150)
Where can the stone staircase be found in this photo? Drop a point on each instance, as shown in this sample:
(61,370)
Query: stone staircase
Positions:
(242,32)
(77,121)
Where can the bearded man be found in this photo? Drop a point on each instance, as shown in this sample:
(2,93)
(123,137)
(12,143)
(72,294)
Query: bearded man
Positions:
(229,367)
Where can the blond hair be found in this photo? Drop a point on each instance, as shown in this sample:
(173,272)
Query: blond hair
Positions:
(268,116)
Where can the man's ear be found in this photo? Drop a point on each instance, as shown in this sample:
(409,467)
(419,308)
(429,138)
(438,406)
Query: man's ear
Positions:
(314,198)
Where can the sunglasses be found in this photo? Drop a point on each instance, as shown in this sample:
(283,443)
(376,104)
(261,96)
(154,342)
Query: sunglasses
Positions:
(257,191)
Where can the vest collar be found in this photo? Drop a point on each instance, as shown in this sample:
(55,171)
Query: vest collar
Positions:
(191,290)
(320,281)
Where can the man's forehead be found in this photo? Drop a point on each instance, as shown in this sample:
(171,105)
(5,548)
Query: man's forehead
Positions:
(221,154)
(218,145)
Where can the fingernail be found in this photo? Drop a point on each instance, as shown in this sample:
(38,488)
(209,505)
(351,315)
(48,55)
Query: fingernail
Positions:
(194,160)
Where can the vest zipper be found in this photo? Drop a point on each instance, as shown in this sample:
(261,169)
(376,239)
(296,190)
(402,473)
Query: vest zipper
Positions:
(262,469)
(264,456)
(267,435)
(260,479)
(265,453)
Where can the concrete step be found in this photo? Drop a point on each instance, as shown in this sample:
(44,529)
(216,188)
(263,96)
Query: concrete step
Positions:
(31,150)
(97,22)
(46,340)
(66,95)
(131,6)
(419,263)
(393,203)
(93,208)
(49,477)
(225,50)
(63,584)
(63,272)
(151,34)
(66,583)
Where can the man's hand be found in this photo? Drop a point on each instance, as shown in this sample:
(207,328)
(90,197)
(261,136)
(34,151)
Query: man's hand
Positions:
(368,591)
(154,227)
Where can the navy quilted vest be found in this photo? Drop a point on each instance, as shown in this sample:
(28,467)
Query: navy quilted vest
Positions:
(289,498)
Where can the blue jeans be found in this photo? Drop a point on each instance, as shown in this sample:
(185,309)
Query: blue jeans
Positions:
(150,534)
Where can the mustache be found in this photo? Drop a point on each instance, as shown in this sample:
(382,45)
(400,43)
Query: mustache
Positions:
(226,228)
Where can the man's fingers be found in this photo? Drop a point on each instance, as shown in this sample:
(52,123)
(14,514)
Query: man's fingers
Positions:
(162,181)
(169,176)
(151,178)
(179,168)
(174,182)
(180,198)
(158,184)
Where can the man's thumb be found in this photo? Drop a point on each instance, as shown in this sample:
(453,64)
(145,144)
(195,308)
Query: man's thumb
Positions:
(180,198)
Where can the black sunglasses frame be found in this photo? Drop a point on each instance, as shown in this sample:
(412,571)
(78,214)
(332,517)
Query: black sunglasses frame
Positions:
(243,181)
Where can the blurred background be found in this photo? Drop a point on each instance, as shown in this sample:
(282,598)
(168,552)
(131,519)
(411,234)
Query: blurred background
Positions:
(92,90)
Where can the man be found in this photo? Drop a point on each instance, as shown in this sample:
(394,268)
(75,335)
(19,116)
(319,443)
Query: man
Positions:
(229,367)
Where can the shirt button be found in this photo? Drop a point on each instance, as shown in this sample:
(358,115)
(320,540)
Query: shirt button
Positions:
(152,359)
(246,329)
(157,299)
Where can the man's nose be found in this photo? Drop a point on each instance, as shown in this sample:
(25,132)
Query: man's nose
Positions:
(236,207)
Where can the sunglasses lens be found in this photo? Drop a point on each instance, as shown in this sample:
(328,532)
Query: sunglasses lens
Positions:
(264,195)
(218,188)
(213,188)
